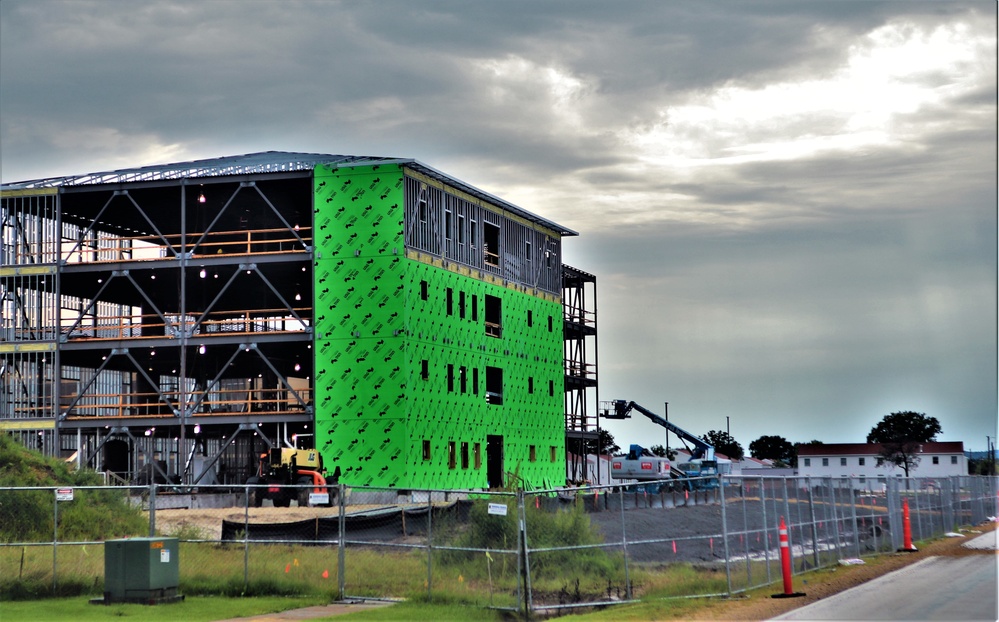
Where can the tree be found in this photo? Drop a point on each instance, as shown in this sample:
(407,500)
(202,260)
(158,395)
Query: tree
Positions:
(606,444)
(776,448)
(901,435)
(724,444)
(662,452)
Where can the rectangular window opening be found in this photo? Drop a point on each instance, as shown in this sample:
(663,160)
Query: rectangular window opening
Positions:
(464,455)
(842,461)
(533,451)
(425,369)
(551,388)
(494,385)
(553,451)
(424,290)
(494,316)
(477,455)
(426,449)
(860,461)
(936,459)
(475,381)
(463,378)
(491,238)
(475,308)
(530,384)
(825,462)
(452,458)
(461,304)
(551,323)
(450,378)
(530,317)
(808,462)
(450,301)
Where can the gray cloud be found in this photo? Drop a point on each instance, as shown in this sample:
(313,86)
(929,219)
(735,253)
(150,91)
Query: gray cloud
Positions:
(805,295)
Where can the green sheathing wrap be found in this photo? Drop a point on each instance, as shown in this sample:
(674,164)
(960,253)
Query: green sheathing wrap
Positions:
(385,339)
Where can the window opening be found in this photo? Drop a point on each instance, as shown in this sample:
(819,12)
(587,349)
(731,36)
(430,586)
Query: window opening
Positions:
(464,455)
(494,385)
(425,369)
(450,301)
(553,453)
(533,451)
(463,378)
(475,308)
(475,380)
(423,290)
(451,457)
(490,248)
(426,449)
(477,455)
(530,384)
(461,304)
(450,378)
(530,317)
(494,316)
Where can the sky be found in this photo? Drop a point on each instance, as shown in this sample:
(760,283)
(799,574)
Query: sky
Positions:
(790,207)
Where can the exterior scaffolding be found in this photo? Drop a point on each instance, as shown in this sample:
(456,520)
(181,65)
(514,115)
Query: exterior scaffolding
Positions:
(582,422)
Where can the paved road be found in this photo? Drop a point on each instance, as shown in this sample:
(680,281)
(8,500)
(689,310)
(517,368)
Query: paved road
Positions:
(935,588)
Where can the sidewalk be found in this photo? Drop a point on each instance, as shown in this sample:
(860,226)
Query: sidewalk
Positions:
(309,613)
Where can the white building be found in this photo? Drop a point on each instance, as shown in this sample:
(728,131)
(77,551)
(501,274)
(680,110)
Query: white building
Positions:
(861,460)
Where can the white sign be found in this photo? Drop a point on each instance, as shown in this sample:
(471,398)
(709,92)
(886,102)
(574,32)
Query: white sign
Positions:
(499,509)
(64,494)
(319,498)
(165,556)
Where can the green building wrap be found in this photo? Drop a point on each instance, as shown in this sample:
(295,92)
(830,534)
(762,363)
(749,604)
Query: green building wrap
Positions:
(412,389)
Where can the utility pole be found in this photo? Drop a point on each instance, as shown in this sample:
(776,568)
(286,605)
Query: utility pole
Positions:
(727,429)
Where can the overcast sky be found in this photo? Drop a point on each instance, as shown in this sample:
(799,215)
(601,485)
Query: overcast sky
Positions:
(790,206)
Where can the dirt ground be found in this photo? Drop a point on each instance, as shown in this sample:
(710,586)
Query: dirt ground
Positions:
(208,522)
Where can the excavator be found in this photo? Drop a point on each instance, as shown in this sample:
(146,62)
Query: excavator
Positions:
(700,473)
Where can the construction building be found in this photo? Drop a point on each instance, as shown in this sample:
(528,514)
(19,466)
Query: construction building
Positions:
(172,322)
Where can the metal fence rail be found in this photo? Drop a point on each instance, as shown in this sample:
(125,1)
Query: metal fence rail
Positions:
(534,551)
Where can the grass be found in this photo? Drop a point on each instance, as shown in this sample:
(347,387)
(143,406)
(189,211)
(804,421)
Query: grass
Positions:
(192,609)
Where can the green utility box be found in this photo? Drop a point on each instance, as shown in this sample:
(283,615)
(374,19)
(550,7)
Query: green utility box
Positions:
(141,570)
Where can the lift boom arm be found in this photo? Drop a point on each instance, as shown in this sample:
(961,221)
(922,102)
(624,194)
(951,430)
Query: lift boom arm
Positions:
(622,410)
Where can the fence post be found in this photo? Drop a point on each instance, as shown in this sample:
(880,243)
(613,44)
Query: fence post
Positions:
(724,517)
(152,510)
(246,538)
(853,516)
(525,567)
(430,544)
(835,516)
(55,536)
(341,558)
(624,548)
(787,512)
(766,528)
(811,518)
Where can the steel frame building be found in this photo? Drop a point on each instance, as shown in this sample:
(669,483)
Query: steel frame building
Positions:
(172,322)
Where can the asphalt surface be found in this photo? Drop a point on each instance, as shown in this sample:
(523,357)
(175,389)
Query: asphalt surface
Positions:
(935,588)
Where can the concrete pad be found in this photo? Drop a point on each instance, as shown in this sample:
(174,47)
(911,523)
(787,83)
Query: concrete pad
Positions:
(984,542)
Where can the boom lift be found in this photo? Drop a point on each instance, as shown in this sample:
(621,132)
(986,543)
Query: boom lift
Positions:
(699,473)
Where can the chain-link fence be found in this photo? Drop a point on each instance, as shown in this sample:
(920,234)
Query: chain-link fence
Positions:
(539,550)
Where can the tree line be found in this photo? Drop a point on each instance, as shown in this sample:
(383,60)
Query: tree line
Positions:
(900,434)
